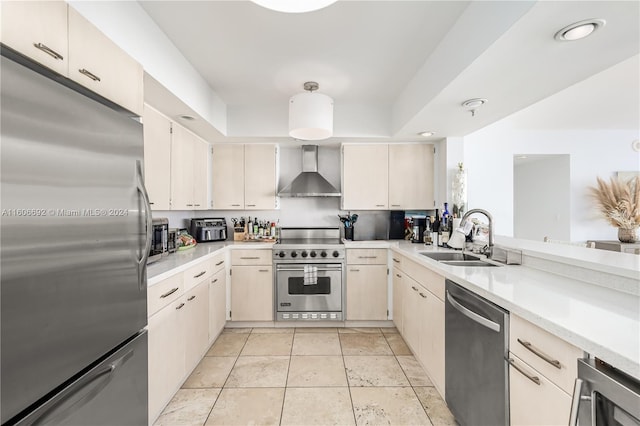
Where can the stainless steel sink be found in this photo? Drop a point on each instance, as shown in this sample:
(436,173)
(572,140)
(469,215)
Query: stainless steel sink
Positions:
(448,256)
(474,263)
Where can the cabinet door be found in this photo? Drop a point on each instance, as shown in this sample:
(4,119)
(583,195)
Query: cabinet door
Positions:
(217,304)
(228,177)
(37,29)
(182,145)
(166,355)
(365,177)
(157,158)
(196,324)
(101,66)
(410,313)
(431,352)
(397,300)
(260,177)
(411,176)
(533,404)
(252,293)
(367,292)
(200,162)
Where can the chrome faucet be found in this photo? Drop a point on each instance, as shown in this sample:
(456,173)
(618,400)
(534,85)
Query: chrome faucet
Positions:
(488,251)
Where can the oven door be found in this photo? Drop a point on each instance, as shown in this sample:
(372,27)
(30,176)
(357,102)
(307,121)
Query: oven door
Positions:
(309,287)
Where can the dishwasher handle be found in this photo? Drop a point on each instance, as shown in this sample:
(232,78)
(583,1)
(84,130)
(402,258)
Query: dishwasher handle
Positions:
(472,315)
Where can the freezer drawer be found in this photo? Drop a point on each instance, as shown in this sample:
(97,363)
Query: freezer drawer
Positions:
(112,393)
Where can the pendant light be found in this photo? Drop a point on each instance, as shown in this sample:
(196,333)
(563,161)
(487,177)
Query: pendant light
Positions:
(294,6)
(310,114)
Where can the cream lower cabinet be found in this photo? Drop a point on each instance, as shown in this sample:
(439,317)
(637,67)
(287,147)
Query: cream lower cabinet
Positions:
(431,352)
(251,285)
(542,371)
(196,324)
(411,304)
(366,286)
(217,297)
(397,299)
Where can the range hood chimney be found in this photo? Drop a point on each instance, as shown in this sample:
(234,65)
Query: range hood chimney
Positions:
(309,183)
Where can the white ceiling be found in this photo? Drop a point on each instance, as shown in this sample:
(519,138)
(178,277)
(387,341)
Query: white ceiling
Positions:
(394,68)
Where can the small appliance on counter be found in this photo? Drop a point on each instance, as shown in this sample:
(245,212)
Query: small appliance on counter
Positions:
(206,230)
(172,242)
(419,225)
(159,239)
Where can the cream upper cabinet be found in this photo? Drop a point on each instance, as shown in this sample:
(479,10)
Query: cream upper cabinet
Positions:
(98,64)
(157,158)
(365,176)
(244,177)
(189,180)
(57,36)
(37,29)
(411,176)
(228,176)
(366,285)
(260,179)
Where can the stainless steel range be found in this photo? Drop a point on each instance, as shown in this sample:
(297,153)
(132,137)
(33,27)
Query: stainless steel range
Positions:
(309,274)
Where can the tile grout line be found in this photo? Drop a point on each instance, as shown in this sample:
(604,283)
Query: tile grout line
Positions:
(344,365)
(286,380)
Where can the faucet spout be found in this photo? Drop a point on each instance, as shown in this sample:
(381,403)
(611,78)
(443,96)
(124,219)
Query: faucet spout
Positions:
(489,217)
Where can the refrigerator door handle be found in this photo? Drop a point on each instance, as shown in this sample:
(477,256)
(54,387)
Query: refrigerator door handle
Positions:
(87,390)
(142,262)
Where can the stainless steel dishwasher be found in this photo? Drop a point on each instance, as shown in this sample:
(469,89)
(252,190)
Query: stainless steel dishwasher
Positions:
(476,348)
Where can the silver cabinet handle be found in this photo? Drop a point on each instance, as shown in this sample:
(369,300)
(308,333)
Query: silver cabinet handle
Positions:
(220,263)
(200,274)
(367,257)
(540,354)
(191,298)
(197,205)
(379,205)
(472,315)
(180,306)
(354,270)
(214,281)
(235,205)
(395,260)
(169,293)
(249,257)
(414,288)
(251,205)
(575,402)
(398,275)
(534,379)
(422,294)
(49,51)
(263,270)
(395,205)
(89,74)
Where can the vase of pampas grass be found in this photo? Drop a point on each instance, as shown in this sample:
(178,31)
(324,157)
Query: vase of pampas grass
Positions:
(619,202)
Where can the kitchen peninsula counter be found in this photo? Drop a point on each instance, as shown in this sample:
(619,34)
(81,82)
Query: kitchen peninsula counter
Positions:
(591,299)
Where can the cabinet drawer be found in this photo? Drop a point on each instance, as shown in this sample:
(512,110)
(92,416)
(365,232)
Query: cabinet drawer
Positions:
(218,262)
(250,257)
(163,293)
(367,256)
(425,276)
(533,404)
(197,274)
(533,345)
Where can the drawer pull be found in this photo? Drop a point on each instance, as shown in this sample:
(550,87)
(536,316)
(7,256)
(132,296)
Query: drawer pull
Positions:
(396,260)
(214,281)
(89,74)
(414,288)
(422,294)
(251,205)
(540,354)
(354,270)
(49,51)
(191,298)
(180,306)
(200,274)
(395,205)
(534,379)
(379,205)
(249,257)
(220,263)
(235,205)
(169,293)
(263,270)
(398,275)
(367,257)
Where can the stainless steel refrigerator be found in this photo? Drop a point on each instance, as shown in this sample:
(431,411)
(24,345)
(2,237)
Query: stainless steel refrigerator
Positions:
(74,236)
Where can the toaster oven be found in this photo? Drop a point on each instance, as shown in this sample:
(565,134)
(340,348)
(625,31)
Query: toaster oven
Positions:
(159,239)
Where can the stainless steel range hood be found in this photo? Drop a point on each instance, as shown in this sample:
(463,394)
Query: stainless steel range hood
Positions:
(309,183)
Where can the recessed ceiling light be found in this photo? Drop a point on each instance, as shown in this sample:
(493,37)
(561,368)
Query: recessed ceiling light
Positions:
(426,134)
(294,6)
(579,30)
(187,117)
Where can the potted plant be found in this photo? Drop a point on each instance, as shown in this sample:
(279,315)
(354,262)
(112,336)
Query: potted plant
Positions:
(619,202)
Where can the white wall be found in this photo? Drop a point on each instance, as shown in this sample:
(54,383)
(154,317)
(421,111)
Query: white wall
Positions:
(595,122)
(541,197)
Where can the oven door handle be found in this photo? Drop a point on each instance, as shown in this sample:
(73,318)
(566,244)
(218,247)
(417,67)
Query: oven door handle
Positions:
(278,269)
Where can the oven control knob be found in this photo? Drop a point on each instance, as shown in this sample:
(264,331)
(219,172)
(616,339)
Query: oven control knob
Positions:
(336,254)
(305,254)
(281,254)
(313,253)
(323,254)
(294,254)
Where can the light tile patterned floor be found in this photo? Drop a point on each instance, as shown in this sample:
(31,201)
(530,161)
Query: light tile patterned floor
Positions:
(308,376)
